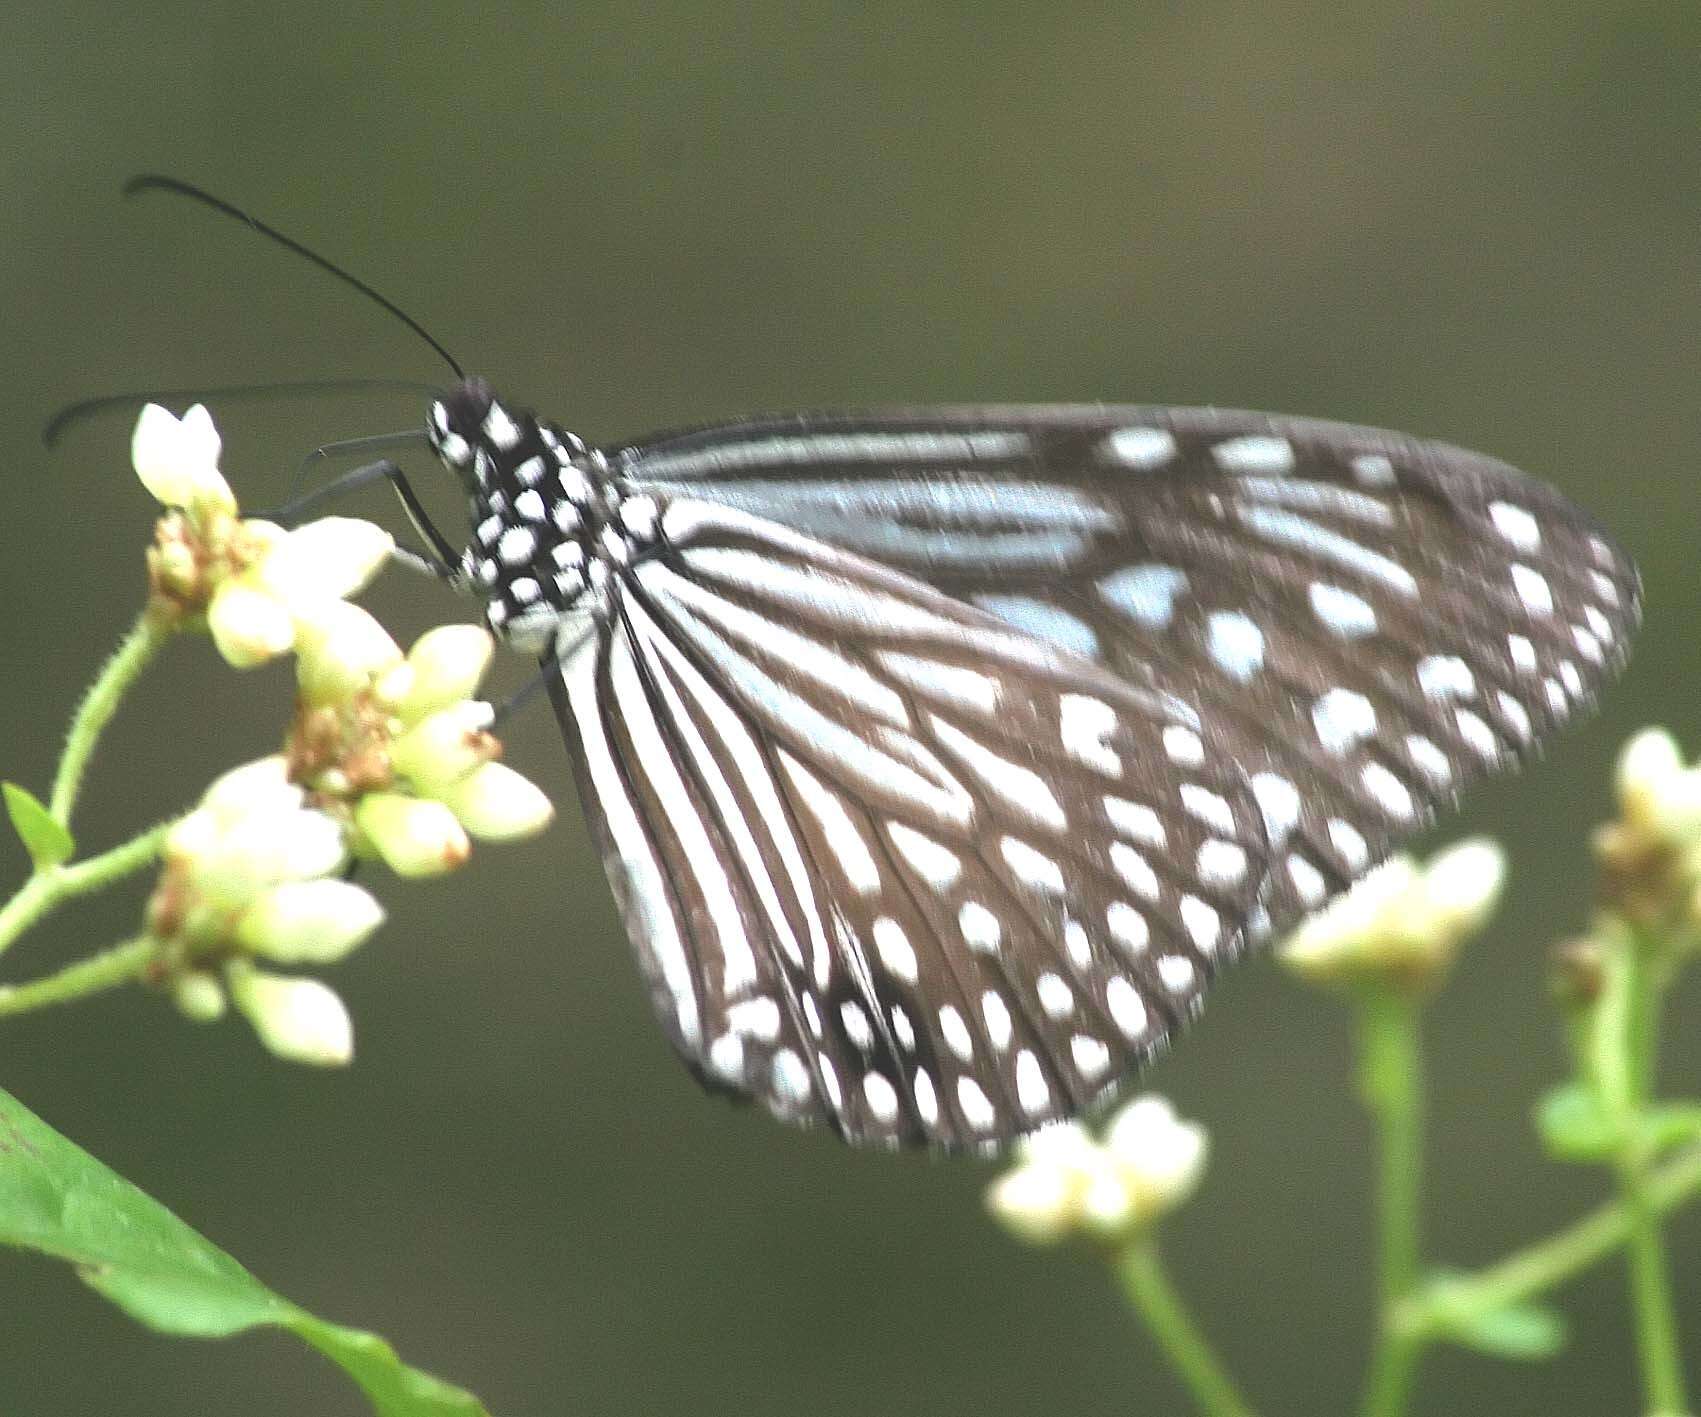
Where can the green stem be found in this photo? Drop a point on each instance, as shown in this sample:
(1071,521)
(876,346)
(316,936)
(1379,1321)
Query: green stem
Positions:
(1657,1346)
(1153,1297)
(1391,1086)
(118,965)
(49,888)
(116,676)
(1540,1267)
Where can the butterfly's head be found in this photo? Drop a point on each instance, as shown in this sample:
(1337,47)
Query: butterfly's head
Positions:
(537,498)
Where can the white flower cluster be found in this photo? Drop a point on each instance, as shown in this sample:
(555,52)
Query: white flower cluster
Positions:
(253,581)
(1067,1182)
(389,756)
(1403,923)
(248,875)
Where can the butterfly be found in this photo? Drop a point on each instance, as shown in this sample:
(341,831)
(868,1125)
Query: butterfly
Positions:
(940,758)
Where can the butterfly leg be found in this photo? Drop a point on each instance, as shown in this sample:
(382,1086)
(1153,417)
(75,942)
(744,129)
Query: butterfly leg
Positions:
(441,560)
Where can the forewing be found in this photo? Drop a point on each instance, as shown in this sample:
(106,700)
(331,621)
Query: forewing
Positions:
(1370,621)
(889,864)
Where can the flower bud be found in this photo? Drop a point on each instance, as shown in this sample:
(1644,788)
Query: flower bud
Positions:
(263,848)
(248,626)
(308,922)
(301,1020)
(260,786)
(199,996)
(1657,793)
(341,648)
(448,663)
(445,745)
(415,836)
(495,803)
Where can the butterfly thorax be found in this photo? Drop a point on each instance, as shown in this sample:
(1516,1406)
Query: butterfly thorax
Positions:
(548,524)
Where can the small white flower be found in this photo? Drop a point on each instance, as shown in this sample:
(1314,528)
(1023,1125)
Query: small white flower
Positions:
(416,836)
(301,1020)
(177,459)
(253,581)
(1065,1182)
(1402,923)
(1659,797)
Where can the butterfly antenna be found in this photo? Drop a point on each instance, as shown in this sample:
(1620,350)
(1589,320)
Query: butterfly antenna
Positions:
(157,182)
(74,413)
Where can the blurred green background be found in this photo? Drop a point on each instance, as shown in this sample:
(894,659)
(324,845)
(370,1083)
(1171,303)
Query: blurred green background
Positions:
(1483,226)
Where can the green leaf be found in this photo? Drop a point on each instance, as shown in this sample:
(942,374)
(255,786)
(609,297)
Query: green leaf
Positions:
(47,841)
(1574,1126)
(1667,1124)
(56,1198)
(1526,1333)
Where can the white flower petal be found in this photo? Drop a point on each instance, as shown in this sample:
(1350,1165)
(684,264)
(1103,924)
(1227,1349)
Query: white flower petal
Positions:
(1035,1203)
(1462,883)
(177,459)
(331,558)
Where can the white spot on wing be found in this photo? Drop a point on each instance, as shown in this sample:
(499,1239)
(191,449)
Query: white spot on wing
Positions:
(1254,453)
(1342,613)
(1142,448)
(1084,723)
(1032,866)
(1533,589)
(1278,800)
(1145,593)
(1235,643)
(937,865)
(894,948)
(1343,718)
